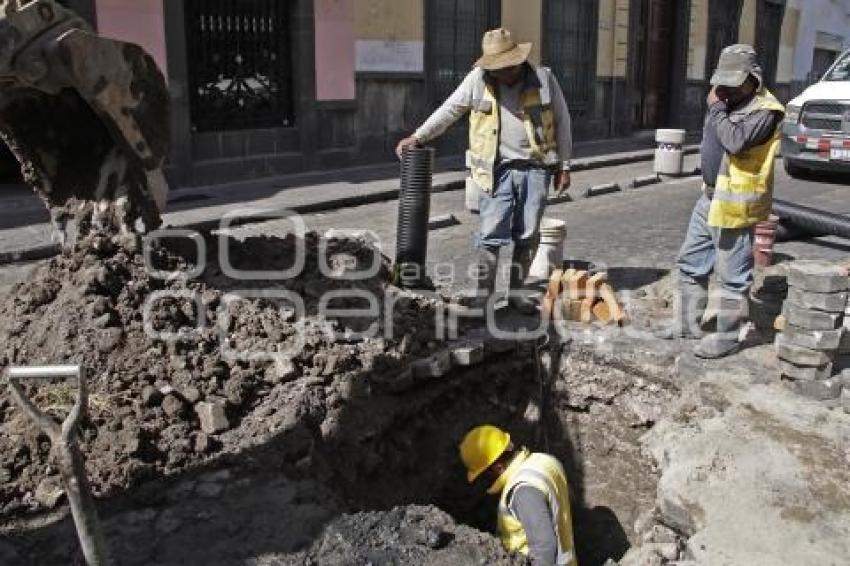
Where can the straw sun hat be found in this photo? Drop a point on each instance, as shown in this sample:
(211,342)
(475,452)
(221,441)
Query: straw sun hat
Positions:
(501,51)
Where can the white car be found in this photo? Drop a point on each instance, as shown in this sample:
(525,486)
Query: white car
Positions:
(816,130)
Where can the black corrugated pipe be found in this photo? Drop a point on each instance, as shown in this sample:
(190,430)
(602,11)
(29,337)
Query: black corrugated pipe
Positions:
(811,221)
(414,208)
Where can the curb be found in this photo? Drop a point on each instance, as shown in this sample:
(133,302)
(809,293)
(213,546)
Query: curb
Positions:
(645,181)
(598,190)
(442,221)
(585,164)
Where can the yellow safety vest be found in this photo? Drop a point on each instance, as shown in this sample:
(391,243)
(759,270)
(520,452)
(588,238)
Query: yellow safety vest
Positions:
(545,473)
(743,194)
(538,116)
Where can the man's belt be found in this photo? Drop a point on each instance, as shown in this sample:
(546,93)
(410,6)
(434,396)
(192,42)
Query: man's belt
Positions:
(524,165)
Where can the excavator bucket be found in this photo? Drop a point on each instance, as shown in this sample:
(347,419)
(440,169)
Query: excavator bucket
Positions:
(86,116)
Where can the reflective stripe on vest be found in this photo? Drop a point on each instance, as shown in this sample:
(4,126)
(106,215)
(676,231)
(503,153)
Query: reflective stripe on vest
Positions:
(743,194)
(545,474)
(484,124)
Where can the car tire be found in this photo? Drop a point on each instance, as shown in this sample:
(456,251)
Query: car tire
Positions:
(795,170)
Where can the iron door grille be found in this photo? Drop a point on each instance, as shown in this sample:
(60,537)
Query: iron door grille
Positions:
(571,48)
(457,28)
(240,67)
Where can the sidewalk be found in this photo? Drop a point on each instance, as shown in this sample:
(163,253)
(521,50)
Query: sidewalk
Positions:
(26,234)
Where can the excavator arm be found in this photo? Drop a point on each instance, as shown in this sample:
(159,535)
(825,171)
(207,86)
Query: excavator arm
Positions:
(86,116)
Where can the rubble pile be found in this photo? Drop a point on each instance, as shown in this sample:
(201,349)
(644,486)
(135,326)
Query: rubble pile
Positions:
(404,535)
(814,330)
(171,384)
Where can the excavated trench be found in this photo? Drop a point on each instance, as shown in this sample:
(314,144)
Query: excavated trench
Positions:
(349,456)
(597,410)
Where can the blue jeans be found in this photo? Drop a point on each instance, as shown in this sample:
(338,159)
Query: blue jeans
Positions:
(514,210)
(706,248)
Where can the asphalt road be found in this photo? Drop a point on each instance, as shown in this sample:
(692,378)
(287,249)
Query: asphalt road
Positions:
(639,230)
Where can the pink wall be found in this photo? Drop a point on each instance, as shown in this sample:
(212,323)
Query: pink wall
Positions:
(135,21)
(335,49)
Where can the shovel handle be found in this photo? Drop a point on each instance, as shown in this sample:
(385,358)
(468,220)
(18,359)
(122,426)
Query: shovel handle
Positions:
(57,433)
(70,460)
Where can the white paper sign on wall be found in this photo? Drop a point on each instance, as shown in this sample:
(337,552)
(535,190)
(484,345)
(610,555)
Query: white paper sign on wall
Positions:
(390,56)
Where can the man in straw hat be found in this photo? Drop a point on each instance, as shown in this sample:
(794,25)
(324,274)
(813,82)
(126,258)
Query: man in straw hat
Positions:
(519,139)
(739,145)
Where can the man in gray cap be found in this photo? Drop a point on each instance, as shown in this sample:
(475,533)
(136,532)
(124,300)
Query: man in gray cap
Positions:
(739,145)
(519,140)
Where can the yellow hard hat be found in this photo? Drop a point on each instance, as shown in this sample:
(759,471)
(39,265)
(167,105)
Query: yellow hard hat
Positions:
(481,447)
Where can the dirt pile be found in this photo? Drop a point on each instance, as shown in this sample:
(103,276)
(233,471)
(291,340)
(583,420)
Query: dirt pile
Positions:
(404,535)
(181,369)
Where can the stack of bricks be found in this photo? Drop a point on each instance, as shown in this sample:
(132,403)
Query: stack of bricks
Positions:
(814,329)
(577,295)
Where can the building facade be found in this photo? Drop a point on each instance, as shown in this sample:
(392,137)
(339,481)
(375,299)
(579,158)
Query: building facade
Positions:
(268,87)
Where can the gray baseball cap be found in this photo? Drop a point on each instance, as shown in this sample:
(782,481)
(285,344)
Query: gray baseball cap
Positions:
(736,63)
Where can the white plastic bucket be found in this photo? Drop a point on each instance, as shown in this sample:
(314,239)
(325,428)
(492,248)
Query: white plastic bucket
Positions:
(669,157)
(550,253)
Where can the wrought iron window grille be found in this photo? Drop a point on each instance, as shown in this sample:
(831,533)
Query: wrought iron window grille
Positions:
(240,64)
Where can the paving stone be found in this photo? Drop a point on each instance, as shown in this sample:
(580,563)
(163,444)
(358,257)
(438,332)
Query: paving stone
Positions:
(804,373)
(798,355)
(828,302)
(811,319)
(212,416)
(468,355)
(817,276)
(820,390)
(824,340)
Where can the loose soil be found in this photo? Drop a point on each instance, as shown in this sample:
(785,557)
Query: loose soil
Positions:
(338,454)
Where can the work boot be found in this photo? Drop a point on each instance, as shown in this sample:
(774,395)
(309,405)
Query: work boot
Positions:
(693,298)
(488,263)
(724,341)
(518,298)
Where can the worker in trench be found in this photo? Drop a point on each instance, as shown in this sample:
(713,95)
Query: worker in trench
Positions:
(534,505)
(741,136)
(519,140)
